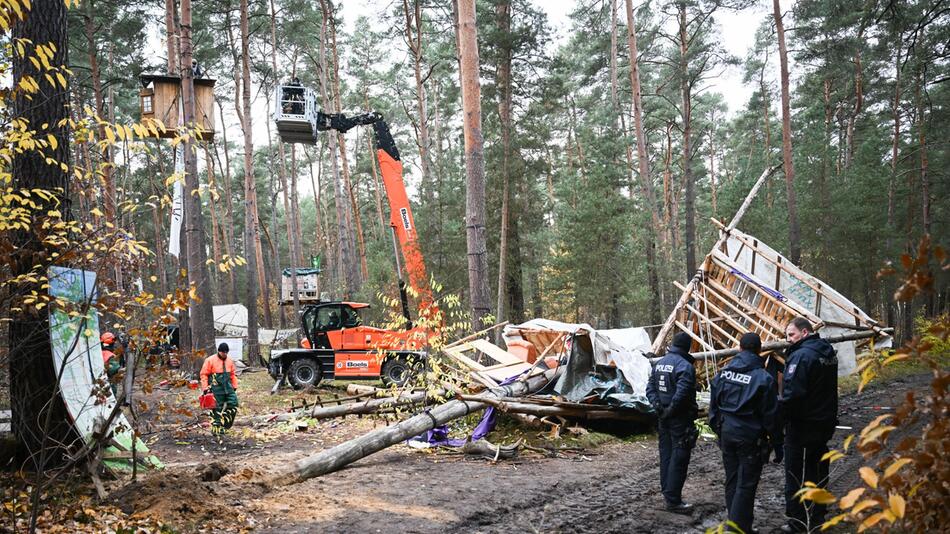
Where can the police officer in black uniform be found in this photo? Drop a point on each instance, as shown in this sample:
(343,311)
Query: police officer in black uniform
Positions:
(809,403)
(672,392)
(743,407)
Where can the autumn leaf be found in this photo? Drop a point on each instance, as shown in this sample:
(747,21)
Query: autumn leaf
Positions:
(869,476)
(848,500)
(897,504)
(894,467)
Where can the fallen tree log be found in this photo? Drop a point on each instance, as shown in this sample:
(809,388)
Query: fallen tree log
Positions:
(337,457)
(353,408)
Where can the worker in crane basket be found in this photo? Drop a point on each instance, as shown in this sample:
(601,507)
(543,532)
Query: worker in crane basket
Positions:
(218,377)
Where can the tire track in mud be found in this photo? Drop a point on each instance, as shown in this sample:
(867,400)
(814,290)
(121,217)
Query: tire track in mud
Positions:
(625,500)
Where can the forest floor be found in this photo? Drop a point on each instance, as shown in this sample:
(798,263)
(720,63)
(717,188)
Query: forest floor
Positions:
(593,484)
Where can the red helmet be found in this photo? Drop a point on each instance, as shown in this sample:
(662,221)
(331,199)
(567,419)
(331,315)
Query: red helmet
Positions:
(107,338)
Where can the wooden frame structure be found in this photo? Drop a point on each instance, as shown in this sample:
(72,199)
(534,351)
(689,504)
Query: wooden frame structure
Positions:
(744,286)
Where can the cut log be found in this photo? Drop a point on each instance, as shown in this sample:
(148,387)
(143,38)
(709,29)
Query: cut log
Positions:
(357,389)
(342,410)
(487,449)
(340,456)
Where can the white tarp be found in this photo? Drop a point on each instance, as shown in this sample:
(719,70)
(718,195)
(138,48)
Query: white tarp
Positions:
(77,360)
(231,319)
(621,348)
(795,286)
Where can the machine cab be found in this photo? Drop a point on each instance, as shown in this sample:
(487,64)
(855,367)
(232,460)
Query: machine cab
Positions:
(295,113)
(326,325)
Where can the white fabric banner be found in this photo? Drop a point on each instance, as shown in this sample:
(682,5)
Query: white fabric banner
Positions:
(178,208)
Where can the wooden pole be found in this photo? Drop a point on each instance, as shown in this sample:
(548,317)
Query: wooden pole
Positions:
(778,345)
(340,456)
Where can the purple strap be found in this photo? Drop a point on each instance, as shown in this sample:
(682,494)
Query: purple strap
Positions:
(769,290)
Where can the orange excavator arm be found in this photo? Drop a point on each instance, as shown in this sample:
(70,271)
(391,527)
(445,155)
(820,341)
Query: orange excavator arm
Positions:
(401,221)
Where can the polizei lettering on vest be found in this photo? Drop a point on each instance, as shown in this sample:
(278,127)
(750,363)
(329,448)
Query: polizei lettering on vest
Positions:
(738,378)
(664,368)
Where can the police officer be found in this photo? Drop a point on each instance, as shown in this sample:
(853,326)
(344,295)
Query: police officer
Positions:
(672,392)
(809,403)
(742,412)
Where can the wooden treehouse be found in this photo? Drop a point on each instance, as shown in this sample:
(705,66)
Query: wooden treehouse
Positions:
(160,100)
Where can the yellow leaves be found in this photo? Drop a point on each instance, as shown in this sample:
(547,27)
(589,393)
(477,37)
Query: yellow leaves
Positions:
(897,505)
(848,500)
(869,476)
(53,142)
(895,467)
(832,455)
(863,505)
(895,358)
(847,441)
(815,494)
(833,521)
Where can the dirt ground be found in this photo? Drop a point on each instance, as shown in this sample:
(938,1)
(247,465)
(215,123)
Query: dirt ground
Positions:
(611,487)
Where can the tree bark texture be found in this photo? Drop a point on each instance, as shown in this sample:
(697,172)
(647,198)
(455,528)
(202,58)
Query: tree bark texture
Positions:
(251,230)
(201,316)
(643,163)
(347,262)
(503,83)
(687,117)
(474,165)
(795,250)
(33,381)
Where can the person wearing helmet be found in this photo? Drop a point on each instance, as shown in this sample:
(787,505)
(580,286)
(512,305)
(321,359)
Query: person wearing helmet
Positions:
(218,377)
(110,360)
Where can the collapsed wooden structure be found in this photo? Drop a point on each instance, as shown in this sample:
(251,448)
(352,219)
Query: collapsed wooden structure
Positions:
(744,286)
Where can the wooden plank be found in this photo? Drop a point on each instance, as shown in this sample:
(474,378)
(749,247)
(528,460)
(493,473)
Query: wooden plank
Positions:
(725,315)
(456,354)
(712,323)
(794,308)
(476,335)
(495,352)
(733,302)
(689,332)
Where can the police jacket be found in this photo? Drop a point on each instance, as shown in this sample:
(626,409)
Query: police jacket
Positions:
(673,384)
(743,402)
(810,395)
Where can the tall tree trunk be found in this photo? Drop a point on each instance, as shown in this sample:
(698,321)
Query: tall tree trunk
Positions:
(201,316)
(643,162)
(712,159)
(414,39)
(920,88)
(171,36)
(795,250)
(503,82)
(39,420)
(687,117)
(251,230)
(105,162)
(357,219)
(215,227)
(289,218)
(228,225)
(348,265)
(474,164)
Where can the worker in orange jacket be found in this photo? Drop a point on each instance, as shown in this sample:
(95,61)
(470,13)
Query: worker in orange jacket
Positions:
(218,377)
(110,360)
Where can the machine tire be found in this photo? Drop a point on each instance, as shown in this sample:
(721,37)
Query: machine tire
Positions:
(395,371)
(304,372)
